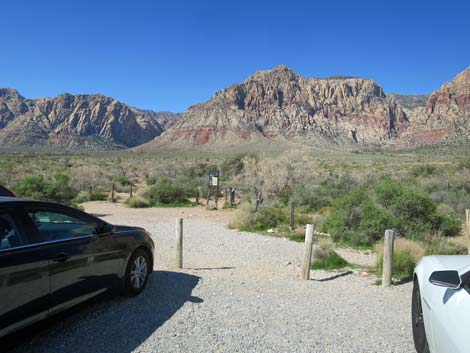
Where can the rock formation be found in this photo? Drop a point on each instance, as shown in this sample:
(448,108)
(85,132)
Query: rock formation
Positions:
(92,121)
(279,104)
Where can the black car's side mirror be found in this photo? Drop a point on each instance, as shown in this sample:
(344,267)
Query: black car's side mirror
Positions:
(450,279)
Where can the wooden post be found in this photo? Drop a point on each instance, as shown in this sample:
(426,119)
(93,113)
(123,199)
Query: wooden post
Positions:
(467,223)
(292,208)
(307,252)
(232,196)
(90,192)
(217,191)
(112,194)
(208,197)
(197,196)
(226,197)
(179,243)
(131,191)
(387,268)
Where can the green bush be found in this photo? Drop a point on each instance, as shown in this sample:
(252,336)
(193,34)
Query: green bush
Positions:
(234,165)
(325,194)
(325,258)
(166,191)
(362,216)
(137,202)
(95,195)
(55,188)
(123,180)
(437,245)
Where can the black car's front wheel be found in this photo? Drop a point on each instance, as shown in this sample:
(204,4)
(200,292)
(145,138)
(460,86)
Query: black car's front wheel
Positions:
(419,334)
(137,272)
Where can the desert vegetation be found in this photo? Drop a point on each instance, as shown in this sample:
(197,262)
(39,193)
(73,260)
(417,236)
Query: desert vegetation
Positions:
(351,195)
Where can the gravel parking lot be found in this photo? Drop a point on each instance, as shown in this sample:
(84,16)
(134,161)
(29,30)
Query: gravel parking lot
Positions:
(238,292)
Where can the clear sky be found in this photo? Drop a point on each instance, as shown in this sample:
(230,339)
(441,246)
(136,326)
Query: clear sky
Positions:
(170,54)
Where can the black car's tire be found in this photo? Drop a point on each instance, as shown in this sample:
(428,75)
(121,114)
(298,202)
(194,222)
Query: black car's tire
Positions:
(137,272)
(419,334)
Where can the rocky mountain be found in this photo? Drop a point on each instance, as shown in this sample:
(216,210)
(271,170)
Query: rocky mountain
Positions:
(272,105)
(88,121)
(445,116)
(279,104)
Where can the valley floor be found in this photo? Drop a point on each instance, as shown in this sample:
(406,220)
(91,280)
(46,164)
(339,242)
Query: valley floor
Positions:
(238,292)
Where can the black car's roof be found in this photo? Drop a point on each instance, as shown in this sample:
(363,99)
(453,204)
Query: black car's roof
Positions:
(5,200)
(9,199)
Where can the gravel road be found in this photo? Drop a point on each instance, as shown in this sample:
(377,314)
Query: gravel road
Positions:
(239,292)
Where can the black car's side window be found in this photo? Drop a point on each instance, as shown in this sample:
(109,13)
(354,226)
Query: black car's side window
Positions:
(58,224)
(9,235)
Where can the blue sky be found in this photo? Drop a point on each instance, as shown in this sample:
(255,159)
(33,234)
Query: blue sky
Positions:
(168,55)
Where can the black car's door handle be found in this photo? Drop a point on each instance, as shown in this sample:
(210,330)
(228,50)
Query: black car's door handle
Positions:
(61,257)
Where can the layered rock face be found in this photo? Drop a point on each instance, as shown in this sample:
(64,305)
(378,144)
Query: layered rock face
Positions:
(278,104)
(446,115)
(93,121)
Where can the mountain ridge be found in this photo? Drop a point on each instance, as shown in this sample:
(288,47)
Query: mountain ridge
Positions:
(77,120)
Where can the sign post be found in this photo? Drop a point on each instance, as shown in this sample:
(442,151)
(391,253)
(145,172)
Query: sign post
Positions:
(214,175)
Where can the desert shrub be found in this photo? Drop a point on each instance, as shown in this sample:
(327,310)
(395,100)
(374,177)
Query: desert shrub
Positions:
(357,220)
(234,165)
(166,191)
(244,217)
(325,194)
(438,245)
(268,216)
(137,202)
(406,255)
(152,180)
(199,170)
(47,188)
(424,170)
(122,180)
(325,258)
(95,195)
(362,216)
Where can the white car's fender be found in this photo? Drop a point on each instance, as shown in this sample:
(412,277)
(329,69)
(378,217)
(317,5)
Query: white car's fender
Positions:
(445,311)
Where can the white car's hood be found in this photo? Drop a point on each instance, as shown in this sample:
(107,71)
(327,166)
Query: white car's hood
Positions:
(460,263)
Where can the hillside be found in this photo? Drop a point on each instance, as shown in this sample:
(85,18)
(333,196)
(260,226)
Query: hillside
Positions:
(86,121)
(278,105)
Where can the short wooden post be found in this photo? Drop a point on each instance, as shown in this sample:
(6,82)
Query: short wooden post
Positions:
(179,243)
(467,223)
(197,196)
(91,193)
(130,195)
(208,197)
(387,268)
(292,209)
(232,196)
(226,196)
(112,194)
(307,252)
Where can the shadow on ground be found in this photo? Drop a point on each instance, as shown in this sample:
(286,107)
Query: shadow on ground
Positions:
(339,275)
(109,324)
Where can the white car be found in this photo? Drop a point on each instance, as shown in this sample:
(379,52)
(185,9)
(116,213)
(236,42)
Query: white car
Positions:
(441,304)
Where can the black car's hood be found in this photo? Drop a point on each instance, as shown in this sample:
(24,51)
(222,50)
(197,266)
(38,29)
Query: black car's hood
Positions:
(126,228)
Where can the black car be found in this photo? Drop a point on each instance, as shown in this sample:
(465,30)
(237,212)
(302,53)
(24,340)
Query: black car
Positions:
(53,257)
(5,192)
